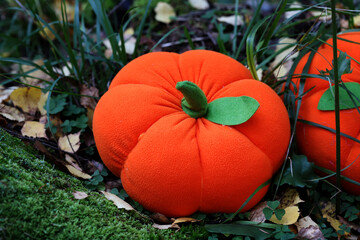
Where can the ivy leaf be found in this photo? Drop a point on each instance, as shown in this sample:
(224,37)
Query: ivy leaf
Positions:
(232,110)
(349,95)
(299,173)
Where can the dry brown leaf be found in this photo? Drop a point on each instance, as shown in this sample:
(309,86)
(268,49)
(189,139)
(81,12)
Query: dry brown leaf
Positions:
(70,143)
(5,92)
(77,173)
(90,116)
(117,201)
(34,129)
(291,216)
(160,218)
(308,229)
(231,20)
(164,12)
(257,214)
(199,4)
(26,98)
(11,113)
(88,102)
(80,195)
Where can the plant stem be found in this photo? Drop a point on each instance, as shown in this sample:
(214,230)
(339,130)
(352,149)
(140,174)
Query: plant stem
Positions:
(337,111)
(194,102)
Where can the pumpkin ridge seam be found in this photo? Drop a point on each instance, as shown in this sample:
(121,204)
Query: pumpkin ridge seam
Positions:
(201,165)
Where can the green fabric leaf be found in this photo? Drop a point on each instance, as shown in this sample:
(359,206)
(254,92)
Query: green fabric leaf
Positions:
(299,172)
(268,213)
(238,229)
(349,94)
(231,110)
(273,204)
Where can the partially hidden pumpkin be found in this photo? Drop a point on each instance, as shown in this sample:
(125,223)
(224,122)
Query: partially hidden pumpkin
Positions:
(176,164)
(319,144)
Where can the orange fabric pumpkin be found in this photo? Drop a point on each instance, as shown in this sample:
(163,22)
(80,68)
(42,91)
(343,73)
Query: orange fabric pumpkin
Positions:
(319,144)
(175,164)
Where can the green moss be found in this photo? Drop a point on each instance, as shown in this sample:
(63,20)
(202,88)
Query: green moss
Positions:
(36,202)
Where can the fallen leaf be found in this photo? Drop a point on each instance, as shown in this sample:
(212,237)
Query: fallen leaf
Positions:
(184,220)
(117,201)
(34,129)
(45,32)
(88,102)
(328,212)
(231,20)
(130,42)
(90,116)
(290,198)
(42,102)
(64,71)
(72,162)
(308,229)
(11,113)
(257,214)
(70,143)
(70,9)
(357,21)
(199,4)
(26,98)
(164,12)
(34,76)
(291,216)
(77,173)
(5,92)
(285,57)
(80,195)
(160,218)
(289,14)
(166,226)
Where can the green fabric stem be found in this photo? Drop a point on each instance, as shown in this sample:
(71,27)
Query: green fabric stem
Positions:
(194,102)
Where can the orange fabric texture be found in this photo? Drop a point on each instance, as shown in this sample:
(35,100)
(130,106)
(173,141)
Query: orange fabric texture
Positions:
(319,144)
(177,165)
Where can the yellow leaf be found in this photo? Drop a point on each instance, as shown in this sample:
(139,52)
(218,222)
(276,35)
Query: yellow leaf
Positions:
(34,78)
(290,198)
(70,143)
(117,201)
(34,129)
(77,173)
(45,32)
(90,115)
(164,12)
(291,216)
(184,220)
(70,9)
(357,21)
(328,212)
(11,113)
(42,102)
(26,98)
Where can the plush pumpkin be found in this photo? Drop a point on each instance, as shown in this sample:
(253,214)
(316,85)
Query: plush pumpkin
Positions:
(151,129)
(319,144)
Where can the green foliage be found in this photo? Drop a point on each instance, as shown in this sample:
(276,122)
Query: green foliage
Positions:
(57,103)
(283,232)
(80,123)
(299,172)
(271,209)
(96,182)
(36,200)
